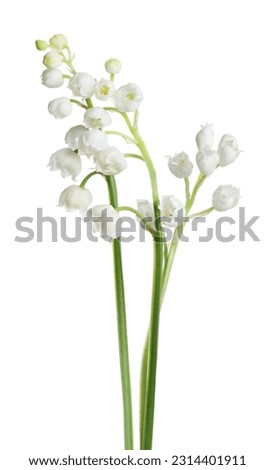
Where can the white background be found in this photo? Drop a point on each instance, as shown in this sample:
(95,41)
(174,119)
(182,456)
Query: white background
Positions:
(60,391)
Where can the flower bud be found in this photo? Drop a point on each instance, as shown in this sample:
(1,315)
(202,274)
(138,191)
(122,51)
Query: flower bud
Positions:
(52,78)
(128,98)
(205,137)
(110,161)
(104,89)
(172,211)
(41,45)
(60,107)
(73,135)
(97,118)
(91,142)
(67,161)
(82,84)
(225,197)
(180,165)
(52,60)
(59,41)
(113,66)
(207,161)
(75,198)
(228,149)
(104,218)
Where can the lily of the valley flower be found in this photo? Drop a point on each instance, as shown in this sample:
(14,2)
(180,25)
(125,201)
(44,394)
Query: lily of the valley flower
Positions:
(180,165)
(67,161)
(60,107)
(91,142)
(205,137)
(110,161)
(97,118)
(225,197)
(207,160)
(73,135)
(145,208)
(75,198)
(104,219)
(52,78)
(104,89)
(58,41)
(52,60)
(41,45)
(172,211)
(82,84)
(113,66)
(128,97)
(228,149)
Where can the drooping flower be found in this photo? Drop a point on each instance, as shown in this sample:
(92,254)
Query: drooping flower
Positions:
(52,78)
(97,118)
(52,60)
(180,165)
(82,84)
(58,41)
(110,161)
(113,66)
(172,211)
(104,89)
(205,137)
(228,149)
(67,161)
(145,208)
(60,107)
(91,142)
(225,197)
(128,97)
(73,135)
(104,219)
(207,161)
(75,198)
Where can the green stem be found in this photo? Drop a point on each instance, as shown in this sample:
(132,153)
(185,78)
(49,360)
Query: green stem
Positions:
(121,134)
(122,328)
(90,175)
(201,213)
(133,155)
(89,103)
(78,103)
(139,215)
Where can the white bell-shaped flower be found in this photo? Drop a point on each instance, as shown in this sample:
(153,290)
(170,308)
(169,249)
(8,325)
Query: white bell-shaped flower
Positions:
(82,84)
(104,220)
(207,161)
(205,137)
(60,107)
(73,135)
(180,165)
(67,161)
(128,97)
(91,142)
(75,198)
(110,161)
(104,89)
(172,211)
(225,197)
(228,149)
(97,118)
(52,78)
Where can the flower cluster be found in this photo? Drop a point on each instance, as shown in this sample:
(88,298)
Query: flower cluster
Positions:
(91,140)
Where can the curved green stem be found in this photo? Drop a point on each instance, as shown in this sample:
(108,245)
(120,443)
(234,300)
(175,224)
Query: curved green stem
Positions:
(78,103)
(89,103)
(150,228)
(133,155)
(122,328)
(126,137)
(90,175)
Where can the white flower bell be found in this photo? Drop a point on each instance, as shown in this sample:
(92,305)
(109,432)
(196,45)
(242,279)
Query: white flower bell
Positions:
(52,78)
(110,161)
(128,97)
(60,107)
(228,149)
(207,161)
(225,197)
(82,84)
(180,165)
(172,210)
(97,118)
(205,137)
(67,161)
(75,198)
